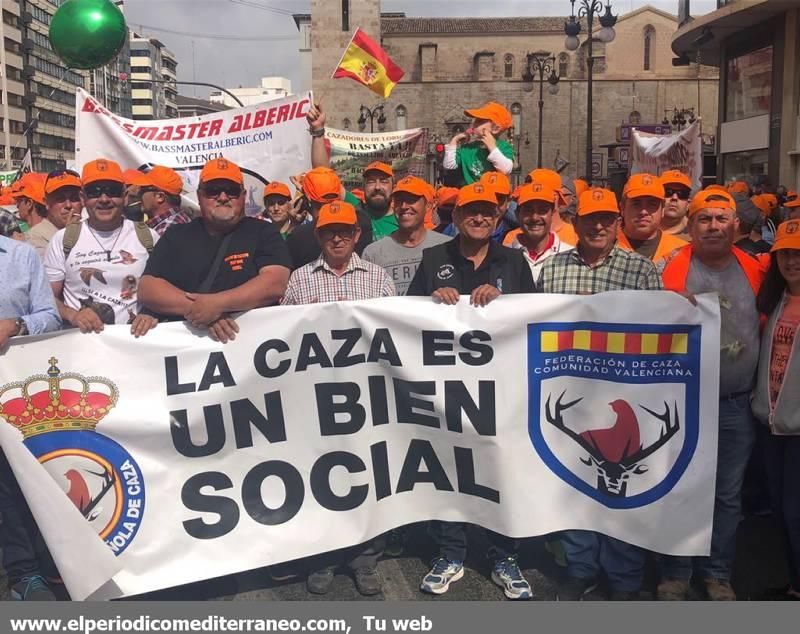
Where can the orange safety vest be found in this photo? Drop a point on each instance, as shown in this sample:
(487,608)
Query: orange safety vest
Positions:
(676,271)
(666,245)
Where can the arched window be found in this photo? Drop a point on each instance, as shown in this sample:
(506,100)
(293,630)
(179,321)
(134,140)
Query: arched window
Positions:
(508,62)
(402,121)
(346,124)
(563,65)
(516,118)
(649,47)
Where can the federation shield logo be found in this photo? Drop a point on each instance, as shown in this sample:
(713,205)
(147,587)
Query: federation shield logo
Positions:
(614,408)
(57,414)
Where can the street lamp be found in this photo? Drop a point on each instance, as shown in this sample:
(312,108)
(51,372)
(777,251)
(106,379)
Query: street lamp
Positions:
(542,64)
(680,117)
(371,114)
(589,9)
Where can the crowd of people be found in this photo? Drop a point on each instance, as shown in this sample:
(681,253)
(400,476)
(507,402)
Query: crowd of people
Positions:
(108,246)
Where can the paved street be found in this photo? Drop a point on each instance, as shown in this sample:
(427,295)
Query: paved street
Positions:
(760,565)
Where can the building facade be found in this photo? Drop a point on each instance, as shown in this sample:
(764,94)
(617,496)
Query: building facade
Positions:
(153,68)
(193,107)
(12,98)
(270,88)
(456,63)
(756,45)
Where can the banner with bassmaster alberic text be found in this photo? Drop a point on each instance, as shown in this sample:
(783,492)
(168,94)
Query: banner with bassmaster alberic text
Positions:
(269,141)
(350,152)
(325,425)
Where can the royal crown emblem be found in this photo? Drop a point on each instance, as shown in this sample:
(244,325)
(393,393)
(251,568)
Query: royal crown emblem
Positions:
(368,72)
(57,402)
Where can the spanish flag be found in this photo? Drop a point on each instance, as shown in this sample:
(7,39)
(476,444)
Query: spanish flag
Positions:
(368,64)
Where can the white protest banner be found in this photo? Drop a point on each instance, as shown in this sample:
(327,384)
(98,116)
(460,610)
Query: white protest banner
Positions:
(269,141)
(656,153)
(325,425)
(351,152)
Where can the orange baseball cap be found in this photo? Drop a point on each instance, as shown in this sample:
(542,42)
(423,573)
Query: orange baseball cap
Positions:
(162,178)
(787,236)
(771,200)
(711,199)
(377,166)
(639,185)
(358,193)
(597,200)
(322,184)
(64,179)
(415,186)
(536,191)
(337,212)
(102,170)
(580,186)
(130,176)
(762,203)
(739,187)
(494,112)
(675,177)
(26,180)
(33,188)
(792,201)
(475,193)
(550,179)
(221,169)
(446,196)
(276,188)
(498,181)
(717,187)
(515,192)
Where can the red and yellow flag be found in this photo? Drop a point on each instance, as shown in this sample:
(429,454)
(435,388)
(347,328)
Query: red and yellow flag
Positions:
(369,64)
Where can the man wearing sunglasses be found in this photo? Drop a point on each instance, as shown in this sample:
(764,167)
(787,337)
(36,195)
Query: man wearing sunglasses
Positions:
(63,205)
(220,263)
(642,210)
(94,266)
(160,192)
(677,190)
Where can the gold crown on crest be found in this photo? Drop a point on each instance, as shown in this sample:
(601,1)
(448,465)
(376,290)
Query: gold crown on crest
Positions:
(57,402)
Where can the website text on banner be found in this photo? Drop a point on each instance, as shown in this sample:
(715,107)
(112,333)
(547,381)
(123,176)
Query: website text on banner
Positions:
(322,426)
(269,141)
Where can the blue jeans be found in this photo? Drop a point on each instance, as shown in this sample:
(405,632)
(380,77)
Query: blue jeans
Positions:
(451,541)
(736,439)
(782,457)
(17,530)
(588,553)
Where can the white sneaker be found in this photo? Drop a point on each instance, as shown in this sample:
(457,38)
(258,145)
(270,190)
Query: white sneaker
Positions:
(441,575)
(509,577)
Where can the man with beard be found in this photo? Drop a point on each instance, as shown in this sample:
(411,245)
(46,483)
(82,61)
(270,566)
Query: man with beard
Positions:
(378,185)
(677,191)
(220,263)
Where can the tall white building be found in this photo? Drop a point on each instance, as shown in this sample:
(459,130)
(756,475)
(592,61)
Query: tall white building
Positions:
(270,88)
(151,60)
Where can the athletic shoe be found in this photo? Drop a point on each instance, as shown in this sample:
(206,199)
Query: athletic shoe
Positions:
(368,581)
(320,581)
(509,577)
(673,590)
(395,543)
(574,589)
(33,588)
(441,575)
(719,590)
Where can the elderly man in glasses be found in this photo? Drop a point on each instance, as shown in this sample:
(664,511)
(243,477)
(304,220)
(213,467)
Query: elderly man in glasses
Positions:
(94,266)
(220,263)
(61,194)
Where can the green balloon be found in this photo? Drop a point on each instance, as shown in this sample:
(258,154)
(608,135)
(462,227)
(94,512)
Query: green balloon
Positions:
(87,34)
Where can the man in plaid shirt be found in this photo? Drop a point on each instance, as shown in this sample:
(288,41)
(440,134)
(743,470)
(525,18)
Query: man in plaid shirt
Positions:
(338,274)
(598,264)
(160,190)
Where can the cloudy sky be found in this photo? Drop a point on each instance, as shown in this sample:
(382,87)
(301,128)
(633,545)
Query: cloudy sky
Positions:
(258,38)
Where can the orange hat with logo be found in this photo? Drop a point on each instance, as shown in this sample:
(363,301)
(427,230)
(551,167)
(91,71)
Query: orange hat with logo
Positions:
(494,112)
(739,187)
(321,184)
(597,200)
(446,196)
(26,180)
(792,199)
(475,193)
(639,185)
(102,170)
(64,179)
(276,188)
(675,177)
(536,191)
(580,186)
(32,188)
(162,178)
(711,199)
(415,186)
(550,179)
(221,169)
(717,187)
(498,181)
(130,176)
(764,202)
(377,166)
(337,212)
(787,236)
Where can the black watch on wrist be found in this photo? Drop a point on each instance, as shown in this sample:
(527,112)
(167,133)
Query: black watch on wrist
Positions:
(22,328)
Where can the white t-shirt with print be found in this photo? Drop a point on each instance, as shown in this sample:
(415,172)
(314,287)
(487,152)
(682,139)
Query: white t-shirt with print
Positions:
(102,270)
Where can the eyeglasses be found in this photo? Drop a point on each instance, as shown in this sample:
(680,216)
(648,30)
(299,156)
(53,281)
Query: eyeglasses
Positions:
(681,192)
(65,194)
(112,190)
(345,233)
(57,173)
(215,191)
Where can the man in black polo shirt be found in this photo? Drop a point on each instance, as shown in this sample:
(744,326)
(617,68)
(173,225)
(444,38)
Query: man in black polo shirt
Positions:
(471,263)
(218,264)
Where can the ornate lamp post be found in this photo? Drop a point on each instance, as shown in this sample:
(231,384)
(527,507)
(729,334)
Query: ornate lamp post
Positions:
(680,117)
(589,9)
(541,64)
(371,114)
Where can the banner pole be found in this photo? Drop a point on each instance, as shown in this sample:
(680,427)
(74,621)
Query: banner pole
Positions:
(346,48)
